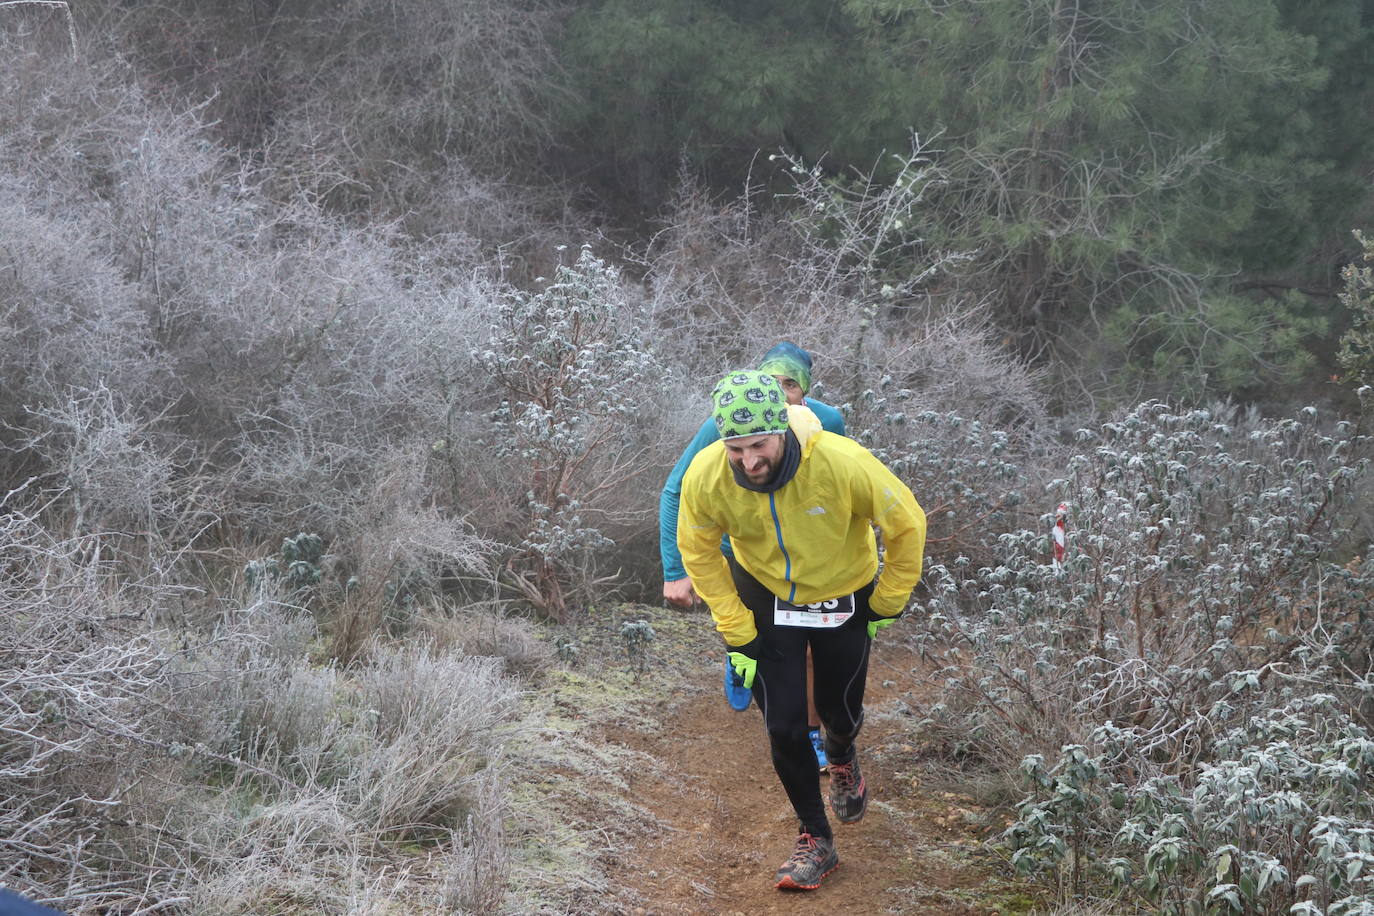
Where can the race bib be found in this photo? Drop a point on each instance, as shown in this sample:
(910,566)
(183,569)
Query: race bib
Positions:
(823,615)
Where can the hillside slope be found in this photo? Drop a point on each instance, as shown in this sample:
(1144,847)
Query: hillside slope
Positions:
(675,808)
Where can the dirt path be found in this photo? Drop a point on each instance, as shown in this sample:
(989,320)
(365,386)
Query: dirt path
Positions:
(728,825)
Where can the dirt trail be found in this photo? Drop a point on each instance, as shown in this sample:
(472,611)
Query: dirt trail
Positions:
(729,826)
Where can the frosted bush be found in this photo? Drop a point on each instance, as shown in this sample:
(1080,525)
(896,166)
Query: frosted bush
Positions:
(436,723)
(970,475)
(574,381)
(1202,650)
(76,721)
(322,769)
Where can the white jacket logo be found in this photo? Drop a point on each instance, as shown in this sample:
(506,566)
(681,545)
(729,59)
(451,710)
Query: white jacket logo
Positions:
(816,510)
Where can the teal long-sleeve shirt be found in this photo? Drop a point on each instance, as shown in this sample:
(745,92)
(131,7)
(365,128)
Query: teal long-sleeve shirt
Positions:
(831,420)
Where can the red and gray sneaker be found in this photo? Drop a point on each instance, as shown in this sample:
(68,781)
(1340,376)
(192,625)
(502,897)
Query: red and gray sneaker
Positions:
(848,791)
(813,859)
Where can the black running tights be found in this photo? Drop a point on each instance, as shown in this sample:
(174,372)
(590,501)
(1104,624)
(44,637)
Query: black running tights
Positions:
(840,660)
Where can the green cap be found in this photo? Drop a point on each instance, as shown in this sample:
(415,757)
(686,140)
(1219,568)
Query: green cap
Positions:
(748,402)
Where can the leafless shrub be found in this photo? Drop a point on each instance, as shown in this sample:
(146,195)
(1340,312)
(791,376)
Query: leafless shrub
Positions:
(448,77)
(87,390)
(846,271)
(130,181)
(256,306)
(478,864)
(482,222)
(320,359)
(358,103)
(104,459)
(64,123)
(959,419)
(436,723)
(485,630)
(42,24)
(402,539)
(952,363)
(91,176)
(74,722)
(69,321)
(282,322)
(397,550)
(716,282)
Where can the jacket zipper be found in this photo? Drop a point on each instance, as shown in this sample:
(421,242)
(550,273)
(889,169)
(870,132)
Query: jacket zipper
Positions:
(787,558)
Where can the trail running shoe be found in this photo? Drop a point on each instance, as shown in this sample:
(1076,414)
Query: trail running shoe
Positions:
(736,693)
(819,744)
(848,792)
(813,859)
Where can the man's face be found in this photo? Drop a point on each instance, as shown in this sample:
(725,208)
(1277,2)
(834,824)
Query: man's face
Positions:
(790,389)
(757,457)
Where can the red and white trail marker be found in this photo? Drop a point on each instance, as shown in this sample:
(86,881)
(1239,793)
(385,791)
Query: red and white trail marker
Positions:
(1061,544)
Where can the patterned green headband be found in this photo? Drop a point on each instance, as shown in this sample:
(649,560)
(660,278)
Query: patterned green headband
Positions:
(748,402)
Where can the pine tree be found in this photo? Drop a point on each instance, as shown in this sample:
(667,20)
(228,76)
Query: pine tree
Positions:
(716,81)
(1114,163)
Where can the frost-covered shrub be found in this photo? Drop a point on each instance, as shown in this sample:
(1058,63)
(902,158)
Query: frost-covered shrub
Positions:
(77,721)
(108,463)
(970,474)
(299,354)
(334,364)
(436,726)
(955,366)
(296,775)
(487,630)
(356,101)
(575,383)
(1279,821)
(717,284)
(1213,584)
(311,352)
(76,367)
(722,277)
(70,321)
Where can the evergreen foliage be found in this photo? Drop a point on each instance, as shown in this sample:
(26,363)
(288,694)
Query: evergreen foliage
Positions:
(1357,347)
(716,81)
(1337,139)
(1107,162)
(1113,165)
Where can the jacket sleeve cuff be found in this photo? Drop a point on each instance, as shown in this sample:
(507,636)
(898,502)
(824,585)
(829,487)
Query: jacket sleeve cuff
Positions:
(751,648)
(888,605)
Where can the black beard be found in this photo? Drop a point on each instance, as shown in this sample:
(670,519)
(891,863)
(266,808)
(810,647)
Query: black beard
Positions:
(782,472)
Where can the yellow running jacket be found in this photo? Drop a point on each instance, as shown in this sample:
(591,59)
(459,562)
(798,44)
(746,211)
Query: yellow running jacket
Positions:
(808,541)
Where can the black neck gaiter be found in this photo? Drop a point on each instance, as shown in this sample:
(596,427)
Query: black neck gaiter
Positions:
(785,471)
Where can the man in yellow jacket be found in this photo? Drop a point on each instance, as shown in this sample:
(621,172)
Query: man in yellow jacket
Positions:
(799,505)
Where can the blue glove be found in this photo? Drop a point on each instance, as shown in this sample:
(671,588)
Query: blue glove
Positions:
(744,659)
